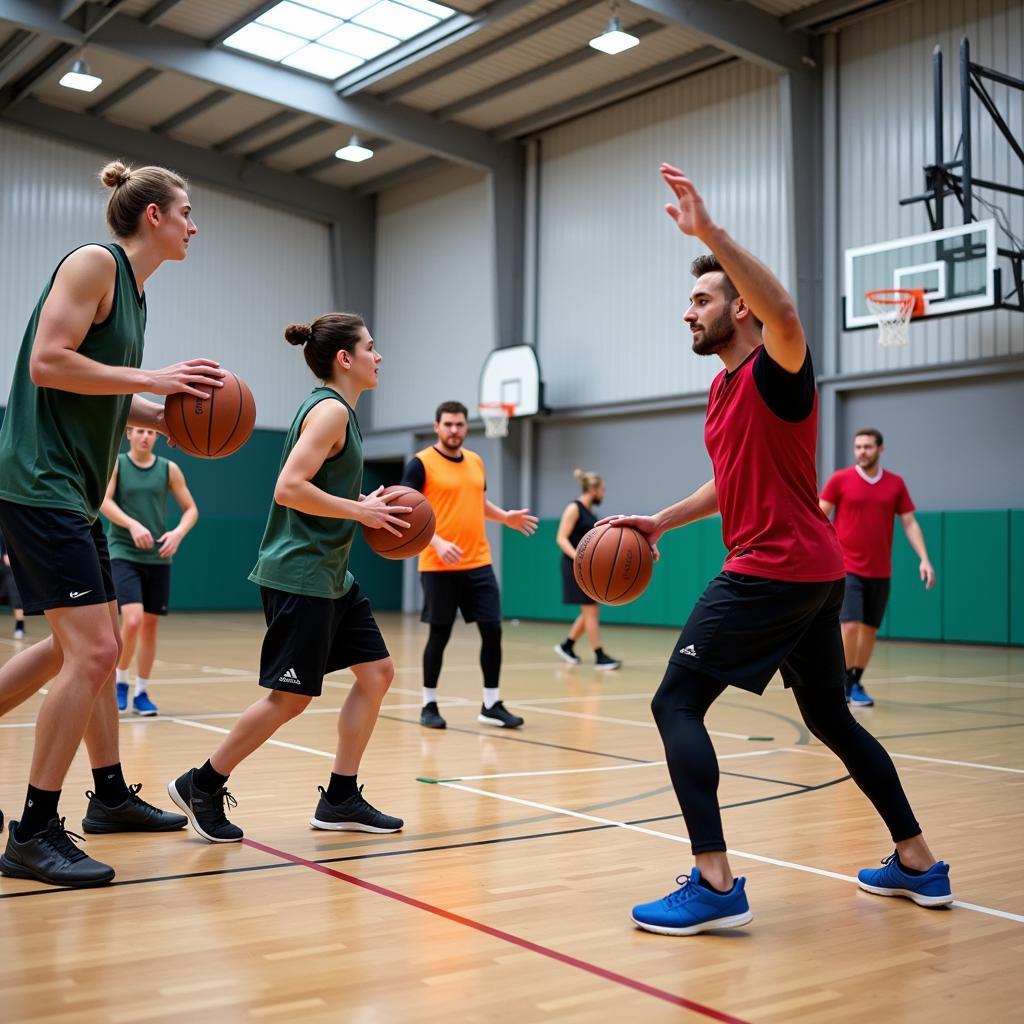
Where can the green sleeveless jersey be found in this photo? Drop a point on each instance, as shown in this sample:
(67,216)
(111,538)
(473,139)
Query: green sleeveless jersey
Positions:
(58,448)
(142,494)
(304,554)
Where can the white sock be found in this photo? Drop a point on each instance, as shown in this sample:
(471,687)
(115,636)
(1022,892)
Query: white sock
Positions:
(122,675)
(429,695)
(491,696)
(141,685)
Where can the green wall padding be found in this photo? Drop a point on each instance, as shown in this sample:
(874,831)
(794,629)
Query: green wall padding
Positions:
(976,592)
(978,597)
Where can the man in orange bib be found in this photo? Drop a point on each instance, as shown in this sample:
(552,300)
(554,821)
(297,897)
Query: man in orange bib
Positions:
(455,568)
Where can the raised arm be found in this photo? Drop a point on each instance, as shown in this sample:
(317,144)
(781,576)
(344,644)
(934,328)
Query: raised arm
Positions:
(760,289)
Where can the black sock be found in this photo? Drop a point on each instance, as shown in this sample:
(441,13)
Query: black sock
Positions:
(569,643)
(208,779)
(341,787)
(717,892)
(906,870)
(19,623)
(598,651)
(855,674)
(110,787)
(40,808)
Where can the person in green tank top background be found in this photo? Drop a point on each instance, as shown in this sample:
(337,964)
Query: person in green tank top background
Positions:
(317,619)
(77,384)
(141,548)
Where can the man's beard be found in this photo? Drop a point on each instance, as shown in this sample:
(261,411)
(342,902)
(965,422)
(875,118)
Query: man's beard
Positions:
(594,501)
(449,442)
(870,464)
(715,337)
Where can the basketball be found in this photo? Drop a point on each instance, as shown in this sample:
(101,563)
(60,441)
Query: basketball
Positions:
(613,564)
(414,539)
(213,427)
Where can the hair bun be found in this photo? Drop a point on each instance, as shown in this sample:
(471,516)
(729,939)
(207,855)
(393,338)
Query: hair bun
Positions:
(298,334)
(115,173)
(578,474)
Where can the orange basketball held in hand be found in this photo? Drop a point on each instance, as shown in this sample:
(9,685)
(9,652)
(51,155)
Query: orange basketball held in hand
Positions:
(213,427)
(613,564)
(419,533)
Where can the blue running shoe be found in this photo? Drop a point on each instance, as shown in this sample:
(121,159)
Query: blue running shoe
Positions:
(122,696)
(142,705)
(931,889)
(858,697)
(694,908)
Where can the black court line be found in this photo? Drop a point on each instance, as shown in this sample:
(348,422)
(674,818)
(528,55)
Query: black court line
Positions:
(502,735)
(803,736)
(944,732)
(382,854)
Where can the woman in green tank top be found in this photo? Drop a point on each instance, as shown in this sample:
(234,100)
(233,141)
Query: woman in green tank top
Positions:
(317,619)
(77,382)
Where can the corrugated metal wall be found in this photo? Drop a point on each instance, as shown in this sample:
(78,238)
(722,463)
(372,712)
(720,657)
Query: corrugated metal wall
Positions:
(886,138)
(435,315)
(614,271)
(251,270)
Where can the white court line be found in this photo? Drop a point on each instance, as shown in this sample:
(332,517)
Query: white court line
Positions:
(276,743)
(918,757)
(583,771)
(998,684)
(615,721)
(742,854)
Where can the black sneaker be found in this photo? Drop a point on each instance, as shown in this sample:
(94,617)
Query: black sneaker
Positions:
(606,664)
(51,856)
(352,815)
(567,653)
(205,811)
(431,718)
(497,715)
(134,815)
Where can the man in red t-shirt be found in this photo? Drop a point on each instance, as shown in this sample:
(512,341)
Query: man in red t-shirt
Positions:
(775,605)
(866,500)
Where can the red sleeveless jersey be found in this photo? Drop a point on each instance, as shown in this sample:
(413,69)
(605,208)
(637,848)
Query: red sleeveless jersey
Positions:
(767,484)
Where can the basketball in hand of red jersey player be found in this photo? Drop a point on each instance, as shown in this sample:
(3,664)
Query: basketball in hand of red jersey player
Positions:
(613,564)
(213,427)
(420,530)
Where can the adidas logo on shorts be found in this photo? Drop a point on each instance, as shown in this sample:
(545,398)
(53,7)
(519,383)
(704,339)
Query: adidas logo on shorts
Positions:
(290,677)
(689,649)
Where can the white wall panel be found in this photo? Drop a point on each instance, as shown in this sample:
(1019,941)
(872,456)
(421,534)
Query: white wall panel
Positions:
(613,269)
(250,271)
(435,315)
(886,138)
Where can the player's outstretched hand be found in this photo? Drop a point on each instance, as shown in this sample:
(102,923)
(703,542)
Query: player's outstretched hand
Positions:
(688,212)
(379,514)
(647,525)
(927,574)
(521,520)
(183,377)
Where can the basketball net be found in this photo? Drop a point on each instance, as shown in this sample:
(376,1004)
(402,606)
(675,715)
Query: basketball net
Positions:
(496,416)
(894,308)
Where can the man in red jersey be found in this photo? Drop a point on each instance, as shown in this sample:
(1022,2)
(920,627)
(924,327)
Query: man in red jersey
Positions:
(775,605)
(866,499)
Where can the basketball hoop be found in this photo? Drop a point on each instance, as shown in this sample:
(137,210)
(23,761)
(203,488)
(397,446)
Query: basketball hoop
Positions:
(894,308)
(496,416)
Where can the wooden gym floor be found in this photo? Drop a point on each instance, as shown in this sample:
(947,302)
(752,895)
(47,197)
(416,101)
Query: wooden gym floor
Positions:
(507,896)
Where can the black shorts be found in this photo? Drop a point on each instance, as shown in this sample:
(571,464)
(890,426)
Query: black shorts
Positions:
(59,560)
(307,637)
(142,583)
(571,593)
(474,592)
(745,628)
(8,588)
(865,600)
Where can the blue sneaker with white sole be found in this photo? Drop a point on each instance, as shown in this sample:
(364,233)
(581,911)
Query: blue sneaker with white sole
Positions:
(694,908)
(122,696)
(931,889)
(142,705)
(859,697)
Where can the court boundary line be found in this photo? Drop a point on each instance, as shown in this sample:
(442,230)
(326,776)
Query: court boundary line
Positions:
(497,933)
(917,757)
(742,854)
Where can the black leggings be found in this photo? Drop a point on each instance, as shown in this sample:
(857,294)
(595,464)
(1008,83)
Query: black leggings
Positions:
(679,708)
(490,653)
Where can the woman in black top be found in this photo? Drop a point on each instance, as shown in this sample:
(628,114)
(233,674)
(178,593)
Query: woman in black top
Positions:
(577,519)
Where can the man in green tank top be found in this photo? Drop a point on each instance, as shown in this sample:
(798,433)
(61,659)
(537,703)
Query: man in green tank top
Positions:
(77,383)
(141,548)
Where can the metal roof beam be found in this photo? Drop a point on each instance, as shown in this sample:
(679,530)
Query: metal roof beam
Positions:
(332,161)
(738,28)
(282,117)
(401,176)
(289,140)
(158,10)
(122,92)
(236,175)
(828,10)
(679,67)
(192,110)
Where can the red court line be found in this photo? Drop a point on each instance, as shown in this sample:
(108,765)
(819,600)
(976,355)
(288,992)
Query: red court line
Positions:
(497,933)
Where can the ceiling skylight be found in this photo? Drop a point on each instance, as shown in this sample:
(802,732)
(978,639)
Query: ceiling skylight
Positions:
(327,38)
